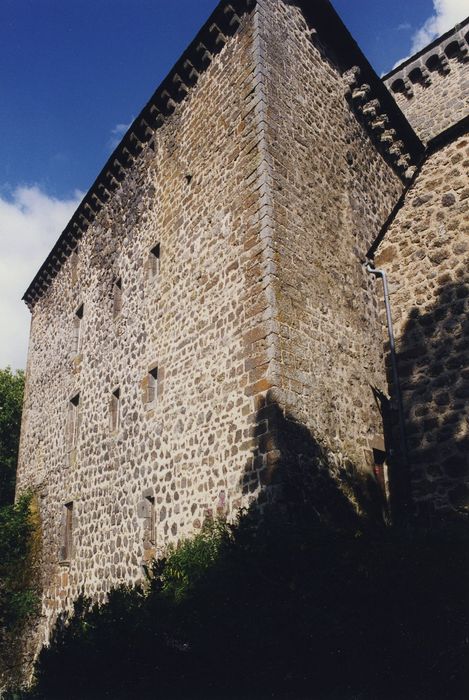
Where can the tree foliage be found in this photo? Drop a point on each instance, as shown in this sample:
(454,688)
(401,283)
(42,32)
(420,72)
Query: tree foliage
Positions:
(19,578)
(286,611)
(11,403)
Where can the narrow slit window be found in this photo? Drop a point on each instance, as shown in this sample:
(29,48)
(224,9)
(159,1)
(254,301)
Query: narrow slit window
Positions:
(150,524)
(117,297)
(154,263)
(77,329)
(73,421)
(67,550)
(74,265)
(152,386)
(114,417)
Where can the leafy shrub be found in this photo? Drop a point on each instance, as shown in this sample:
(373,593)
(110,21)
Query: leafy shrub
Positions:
(11,404)
(282,610)
(187,562)
(19,580)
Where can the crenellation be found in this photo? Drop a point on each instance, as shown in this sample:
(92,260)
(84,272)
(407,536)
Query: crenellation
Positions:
(430,87)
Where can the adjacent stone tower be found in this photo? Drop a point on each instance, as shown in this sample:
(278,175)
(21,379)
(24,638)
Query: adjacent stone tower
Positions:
(425,250)
(205,335)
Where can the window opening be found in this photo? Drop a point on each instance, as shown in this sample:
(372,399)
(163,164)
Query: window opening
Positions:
(73,421)
(117,297)
(115,410)
(77,329)
(67,550)
(154,263)
(149,536)
(152,386)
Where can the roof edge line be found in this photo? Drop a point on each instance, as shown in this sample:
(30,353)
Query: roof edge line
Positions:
(223,23)
(408,61)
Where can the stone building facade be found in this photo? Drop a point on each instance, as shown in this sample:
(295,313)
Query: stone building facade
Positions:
(205,334)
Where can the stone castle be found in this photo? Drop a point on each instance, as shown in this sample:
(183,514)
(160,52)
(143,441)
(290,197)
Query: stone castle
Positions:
(267,285)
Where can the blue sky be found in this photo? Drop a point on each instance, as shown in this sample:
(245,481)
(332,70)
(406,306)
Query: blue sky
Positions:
(73,73)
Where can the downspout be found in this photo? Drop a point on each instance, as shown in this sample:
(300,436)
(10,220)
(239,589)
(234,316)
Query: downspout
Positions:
(395,374)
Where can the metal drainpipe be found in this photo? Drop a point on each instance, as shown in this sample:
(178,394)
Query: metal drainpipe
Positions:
(392,345)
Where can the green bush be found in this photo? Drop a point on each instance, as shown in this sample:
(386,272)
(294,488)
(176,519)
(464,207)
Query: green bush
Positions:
(187,562)
(11,403)
(19,578)
(278,610)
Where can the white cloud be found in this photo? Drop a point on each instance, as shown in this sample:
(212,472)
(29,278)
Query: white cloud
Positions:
(116,134)
(30,223)
(447,13)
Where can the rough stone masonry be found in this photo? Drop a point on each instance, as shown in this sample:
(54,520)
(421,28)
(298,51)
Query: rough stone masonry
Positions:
(205,335)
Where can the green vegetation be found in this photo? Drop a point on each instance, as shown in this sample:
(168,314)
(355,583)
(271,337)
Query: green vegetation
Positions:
(19,532)
(11,403)
(19,577)
(286,610)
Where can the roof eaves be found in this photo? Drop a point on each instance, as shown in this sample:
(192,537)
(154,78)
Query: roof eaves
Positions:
(222,23)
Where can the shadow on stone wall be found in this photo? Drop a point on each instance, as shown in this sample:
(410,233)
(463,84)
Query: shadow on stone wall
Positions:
(304,480)
(316,600)
(434,369)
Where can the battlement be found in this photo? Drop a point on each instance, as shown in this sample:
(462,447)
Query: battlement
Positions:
(431,87)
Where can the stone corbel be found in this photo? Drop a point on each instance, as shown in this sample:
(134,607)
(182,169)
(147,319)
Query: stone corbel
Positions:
(135,144)
(68,246)
(112,181)
(220,38)
(168,101)
(388,136)
(352,76)
(380,123)
(180,85)
(97,203)
(144,132)
(155,116)
(76,232)
(191,71)
(204,54)
(361,93)
(371,109)
(127,157)
(463,48)
(118,169)
(444,63)
(90,213)
(233,18)
(83,221)
(410,172)
(396,149)
(403,162)
(54,263)
(426,79)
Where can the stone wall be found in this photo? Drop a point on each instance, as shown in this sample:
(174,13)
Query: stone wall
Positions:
(163,389)
(196,192)
(426,255)
(331,190)
(433,89)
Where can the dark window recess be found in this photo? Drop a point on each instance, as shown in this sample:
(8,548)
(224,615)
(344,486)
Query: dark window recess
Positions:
(150,523)
(74,266)
(67,547)
(77,329)
(115,410)
(152,386)
(117,297)
(73,421)
(153,264)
